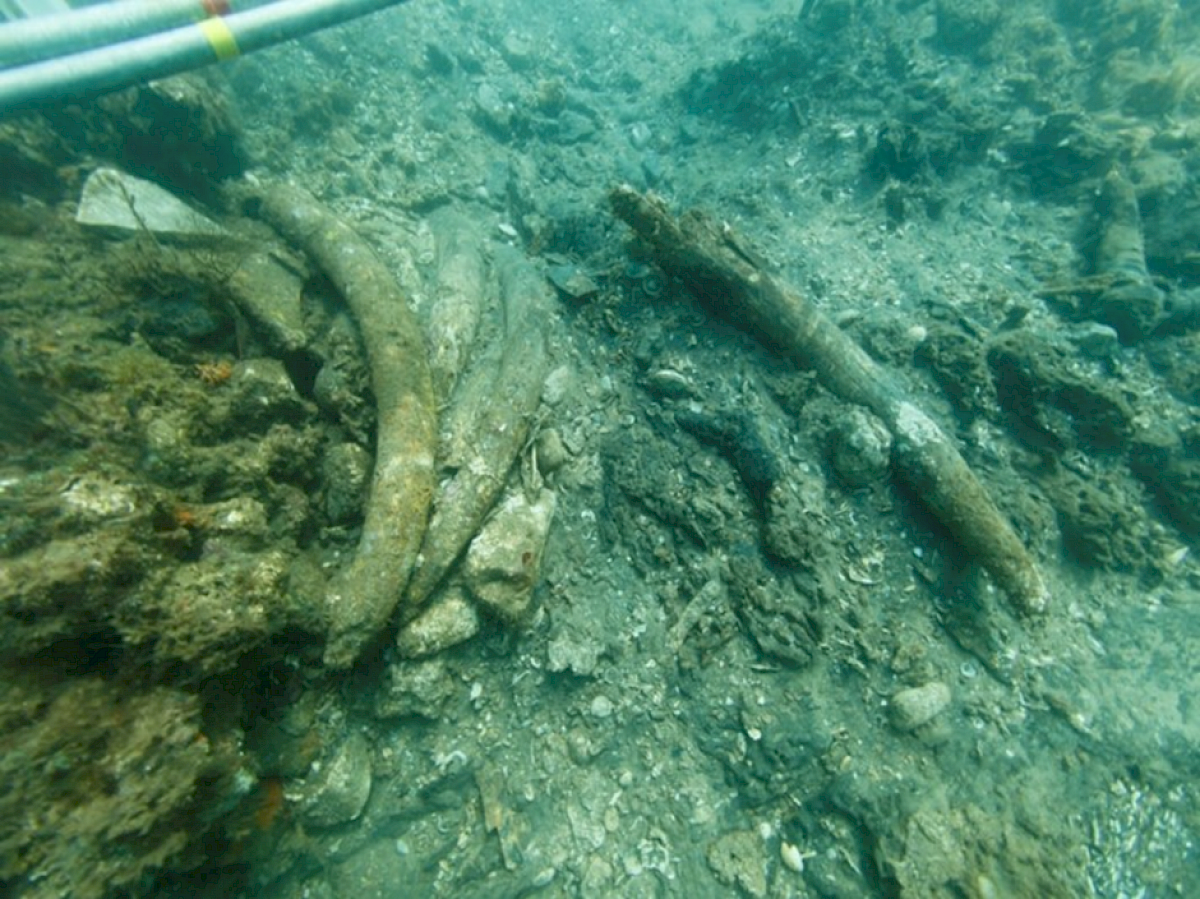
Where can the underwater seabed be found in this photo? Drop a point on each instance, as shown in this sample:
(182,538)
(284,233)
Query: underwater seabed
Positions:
(434,516)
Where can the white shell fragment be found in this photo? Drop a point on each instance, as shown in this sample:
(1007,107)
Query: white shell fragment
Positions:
(791,856)
(114,199)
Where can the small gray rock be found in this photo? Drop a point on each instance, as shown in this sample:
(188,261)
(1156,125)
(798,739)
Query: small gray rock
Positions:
(113,199)
(739,861)
(572,281)
(347,471)
(262,393)
(552,453)
(421,688)
(1096,341)
(505,558)
(494,109)
(338,791)
(450,619)
(578,656)
(916,706)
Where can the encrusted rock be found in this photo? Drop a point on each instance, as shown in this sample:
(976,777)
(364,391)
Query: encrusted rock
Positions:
(338,791)
(419,688)
(579,656)
(796,521)
(860,449)
(552,453)
(211,612)
(263,393)
(239,524)
(738,860)
(449,620)
(270,293)
(347,473)
(916,706)
(93,498)
(168,448)
(504,559)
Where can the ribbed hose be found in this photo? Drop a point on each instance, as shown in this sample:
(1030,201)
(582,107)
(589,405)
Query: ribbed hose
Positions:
(45,37)
(171,52)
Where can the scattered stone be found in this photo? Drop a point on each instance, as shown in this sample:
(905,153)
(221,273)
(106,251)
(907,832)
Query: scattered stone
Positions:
(572,281)
(860,447)
(567,653)
(168,449)
(504,559)
(420,688)
(640,135)
(347,473)
(916,706)
(519,49)
(737,859)
(495,111)
(558,384)
(1096,341)
(337,792)
(670,384)
(263,394)
(449,620)
(240,524)
(602,707)
(552,453)
(791,856)
(574,127)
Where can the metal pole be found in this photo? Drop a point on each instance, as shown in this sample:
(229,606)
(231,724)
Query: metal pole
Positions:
(70,31)
(171,52)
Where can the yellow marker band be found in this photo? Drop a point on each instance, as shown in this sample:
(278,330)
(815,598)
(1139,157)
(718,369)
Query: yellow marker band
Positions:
(220,38)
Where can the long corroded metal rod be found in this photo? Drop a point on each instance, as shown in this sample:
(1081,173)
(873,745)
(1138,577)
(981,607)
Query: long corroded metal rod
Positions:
(361,598)
(704,256)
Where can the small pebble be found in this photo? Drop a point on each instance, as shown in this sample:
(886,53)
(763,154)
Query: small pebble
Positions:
(919,705)
(602,707)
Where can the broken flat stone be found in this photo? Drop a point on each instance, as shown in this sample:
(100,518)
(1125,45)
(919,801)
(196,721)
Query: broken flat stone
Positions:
(113,199)
(572,281)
